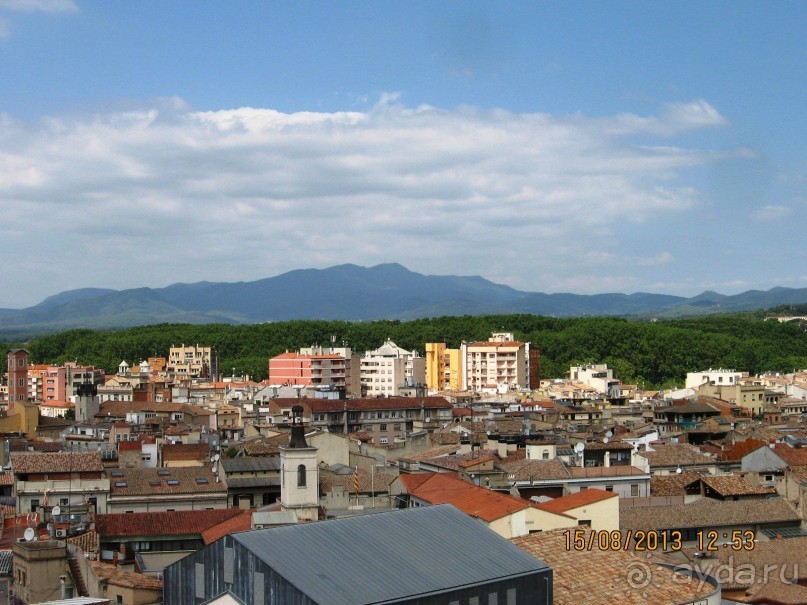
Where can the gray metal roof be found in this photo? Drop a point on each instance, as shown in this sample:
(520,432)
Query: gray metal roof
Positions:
(242,482)
(256,464)
(378,558)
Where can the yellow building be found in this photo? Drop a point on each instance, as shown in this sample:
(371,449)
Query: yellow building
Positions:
(443,367)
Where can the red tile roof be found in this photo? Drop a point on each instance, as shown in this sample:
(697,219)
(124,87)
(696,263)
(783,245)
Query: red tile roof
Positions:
(793,456)
(576,500)
(240,522)
(56,462)
(475,501)
(176,452)
(173,523)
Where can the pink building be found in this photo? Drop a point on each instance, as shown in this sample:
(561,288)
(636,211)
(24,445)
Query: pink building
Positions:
(314,370)
(47,383)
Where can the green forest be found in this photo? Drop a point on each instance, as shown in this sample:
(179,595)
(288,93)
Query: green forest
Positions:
(653,354)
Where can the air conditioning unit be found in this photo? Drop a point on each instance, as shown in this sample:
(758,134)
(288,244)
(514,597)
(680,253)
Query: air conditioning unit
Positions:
(61,533)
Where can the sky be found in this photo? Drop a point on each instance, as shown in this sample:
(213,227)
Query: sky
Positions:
(554,146)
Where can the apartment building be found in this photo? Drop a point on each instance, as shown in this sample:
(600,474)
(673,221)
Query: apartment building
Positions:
(193,361)
(500,364)
(444,368)
(384,419)
(332,368)
(389,368)
(719,377)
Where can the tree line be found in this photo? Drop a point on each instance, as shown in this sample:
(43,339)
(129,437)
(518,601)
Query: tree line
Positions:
(654,354)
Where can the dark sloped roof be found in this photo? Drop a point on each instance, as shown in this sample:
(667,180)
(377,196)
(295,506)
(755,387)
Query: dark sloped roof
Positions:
(425,540)
(250,465)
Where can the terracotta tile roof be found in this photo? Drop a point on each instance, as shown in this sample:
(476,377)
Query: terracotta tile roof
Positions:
(775,591)
(129,446)
(733,485)
(535,470)
(600,577)
(434,452)
(52,462)
(475,501)
(672,485)
(173,523)
(590,472)
(708,512)
(445,438)
(576,500)
(6,478)
(88,541)
(475,461)
(787,556)
(452,462)
(179,452)
(681,454)
(262,447)
(240,522)
(791,455)
(380,481)
(741,448)
(127,579)
(412,481)
(154,481)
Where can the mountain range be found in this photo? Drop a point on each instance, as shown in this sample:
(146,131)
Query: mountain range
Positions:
(354,293)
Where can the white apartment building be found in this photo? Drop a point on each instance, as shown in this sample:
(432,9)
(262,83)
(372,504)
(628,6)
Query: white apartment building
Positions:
(388,368)
(597,376)
(719,377)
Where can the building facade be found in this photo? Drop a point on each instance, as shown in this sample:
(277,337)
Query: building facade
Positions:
(498,365)
(389,368)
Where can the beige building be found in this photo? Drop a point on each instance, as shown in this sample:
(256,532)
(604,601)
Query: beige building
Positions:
(498,365)
(750,395)
(389,368)
(193,362)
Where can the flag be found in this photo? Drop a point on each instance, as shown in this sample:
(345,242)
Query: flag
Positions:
(356,480)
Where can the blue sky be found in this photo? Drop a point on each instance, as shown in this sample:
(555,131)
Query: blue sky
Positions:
(554,146)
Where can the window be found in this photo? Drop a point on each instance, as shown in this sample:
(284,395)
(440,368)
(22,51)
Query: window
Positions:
(383,427)
(301,475)
(609,488)
(119,598)
(545,455)
(634,490)
(383,440)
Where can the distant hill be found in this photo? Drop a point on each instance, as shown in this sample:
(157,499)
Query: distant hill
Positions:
(353,293)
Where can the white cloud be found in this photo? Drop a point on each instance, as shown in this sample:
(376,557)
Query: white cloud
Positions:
(43,6)
(772,212)
(163,194)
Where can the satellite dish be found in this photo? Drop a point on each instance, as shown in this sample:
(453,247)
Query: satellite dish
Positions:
(579,447)
(28,534)
(609,434)
(215,458)
(605,440)
(56,511)
(679,470)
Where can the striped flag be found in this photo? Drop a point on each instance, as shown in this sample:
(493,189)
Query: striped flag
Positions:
(356,480)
